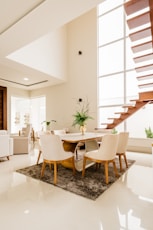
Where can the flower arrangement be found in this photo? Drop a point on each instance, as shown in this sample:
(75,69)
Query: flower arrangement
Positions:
(82,115)
(48,123)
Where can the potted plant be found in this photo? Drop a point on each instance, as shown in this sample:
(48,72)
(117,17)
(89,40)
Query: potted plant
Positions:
(149,132)
(114,131)
(81,116)
(47,124)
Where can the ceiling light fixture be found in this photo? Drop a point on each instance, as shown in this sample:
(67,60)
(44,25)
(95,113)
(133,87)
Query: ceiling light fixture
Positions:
(26,79)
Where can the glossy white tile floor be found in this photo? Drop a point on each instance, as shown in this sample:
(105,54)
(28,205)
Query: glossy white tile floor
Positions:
(27,204)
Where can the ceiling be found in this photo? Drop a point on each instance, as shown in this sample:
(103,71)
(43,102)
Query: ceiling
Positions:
(23,22)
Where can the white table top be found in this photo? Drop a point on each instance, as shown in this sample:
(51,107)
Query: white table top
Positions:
(77,137)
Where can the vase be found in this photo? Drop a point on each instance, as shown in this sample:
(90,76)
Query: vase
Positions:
(48,128)
(83,129)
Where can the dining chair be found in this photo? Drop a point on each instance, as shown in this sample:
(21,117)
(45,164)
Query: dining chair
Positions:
(22,142)
(55,132)
(105,154)
(78,146)
(38,134)
(122,147)
(59,131)
(53,153)
(91,145)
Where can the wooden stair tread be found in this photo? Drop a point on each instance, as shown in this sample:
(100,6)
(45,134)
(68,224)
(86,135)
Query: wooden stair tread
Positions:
(133,6)
(128,106)
(136,100)
(146,85)
(142,47)
(145,77)
(144,68)
(144,33)
(106,123)
(122,113)
(139,20)
(143,58)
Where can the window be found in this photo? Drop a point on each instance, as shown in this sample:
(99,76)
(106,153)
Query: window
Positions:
(24,111)
(117,83)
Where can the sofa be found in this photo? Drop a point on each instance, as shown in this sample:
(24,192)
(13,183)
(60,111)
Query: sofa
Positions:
(6,144)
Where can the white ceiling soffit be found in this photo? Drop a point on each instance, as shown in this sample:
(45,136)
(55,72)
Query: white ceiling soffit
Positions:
(21,23)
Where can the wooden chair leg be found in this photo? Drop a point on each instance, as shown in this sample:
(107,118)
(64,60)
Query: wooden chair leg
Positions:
(125,160)
(106,172)
(55,173)
(115,168)
(120,161)
(84,165)
(43,168)
(38,157)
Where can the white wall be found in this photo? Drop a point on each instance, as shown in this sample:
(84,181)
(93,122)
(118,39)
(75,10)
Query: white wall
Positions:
(46,54)
(81,76)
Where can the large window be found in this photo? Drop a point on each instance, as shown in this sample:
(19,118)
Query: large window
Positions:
(117,83)
(24,111)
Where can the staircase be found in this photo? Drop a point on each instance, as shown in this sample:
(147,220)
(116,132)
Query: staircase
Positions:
(140,22)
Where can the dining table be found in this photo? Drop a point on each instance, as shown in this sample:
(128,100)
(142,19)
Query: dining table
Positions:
(70,142)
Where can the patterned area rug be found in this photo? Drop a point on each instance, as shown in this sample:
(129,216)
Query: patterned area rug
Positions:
(91,186)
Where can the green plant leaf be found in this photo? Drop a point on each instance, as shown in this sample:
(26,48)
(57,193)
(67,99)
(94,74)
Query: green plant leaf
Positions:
(149,132)
(82,115)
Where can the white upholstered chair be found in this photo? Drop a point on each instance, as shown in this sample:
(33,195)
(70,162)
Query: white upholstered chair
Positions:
(105,154)
(38,134)
(6,144)
(91,145)
(54,153)
(122,147)
(22,143)
(59,131)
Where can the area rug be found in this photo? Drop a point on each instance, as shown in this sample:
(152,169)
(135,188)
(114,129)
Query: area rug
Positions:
(91,186)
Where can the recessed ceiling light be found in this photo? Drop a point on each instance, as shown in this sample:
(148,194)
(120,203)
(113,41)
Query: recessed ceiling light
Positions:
(26,79)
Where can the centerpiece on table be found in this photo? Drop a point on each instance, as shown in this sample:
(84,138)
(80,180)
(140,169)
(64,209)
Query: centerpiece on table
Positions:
(81,116)
(48,124)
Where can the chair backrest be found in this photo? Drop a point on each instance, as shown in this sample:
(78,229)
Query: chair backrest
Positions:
(122,142)
(108,147)
(52,147)
(59,131)
(39,133)
(91,145)
(3,132)
(26,131)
